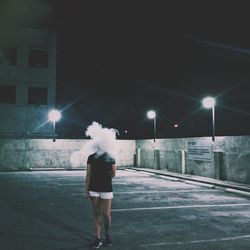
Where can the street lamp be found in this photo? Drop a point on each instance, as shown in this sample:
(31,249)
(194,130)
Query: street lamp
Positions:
(209,102)
(152,115)
(54,116)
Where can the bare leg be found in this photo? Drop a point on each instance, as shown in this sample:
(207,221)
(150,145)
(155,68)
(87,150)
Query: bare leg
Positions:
(96,203)
(106,209)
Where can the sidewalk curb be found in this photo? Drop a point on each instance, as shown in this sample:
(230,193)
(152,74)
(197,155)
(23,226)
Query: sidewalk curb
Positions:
(235,191)
(200,184)
(198,179)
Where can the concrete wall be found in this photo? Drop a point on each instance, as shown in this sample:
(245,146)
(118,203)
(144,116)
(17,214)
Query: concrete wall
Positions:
(22,154)
(230,159)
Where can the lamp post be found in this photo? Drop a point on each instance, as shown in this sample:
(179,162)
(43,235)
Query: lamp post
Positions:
(54,116)
(209,102)
(152,115)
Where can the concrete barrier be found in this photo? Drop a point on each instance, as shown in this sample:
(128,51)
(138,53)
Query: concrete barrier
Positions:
(25,154)
(230,157)
(229,160)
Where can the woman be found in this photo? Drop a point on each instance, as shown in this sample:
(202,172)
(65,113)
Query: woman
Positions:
(101,169)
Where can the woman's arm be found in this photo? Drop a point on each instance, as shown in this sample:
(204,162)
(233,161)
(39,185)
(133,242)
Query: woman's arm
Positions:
(87,180)
(113,170)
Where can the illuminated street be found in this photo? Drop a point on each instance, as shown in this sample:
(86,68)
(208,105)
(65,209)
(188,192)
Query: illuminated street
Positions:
(46,210)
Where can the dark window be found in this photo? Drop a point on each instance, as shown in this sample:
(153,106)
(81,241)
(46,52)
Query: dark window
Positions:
(7,93)
(38,58)
(8,55)
(37,95)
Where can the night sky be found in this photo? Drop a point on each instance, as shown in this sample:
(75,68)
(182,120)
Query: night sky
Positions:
(117,61)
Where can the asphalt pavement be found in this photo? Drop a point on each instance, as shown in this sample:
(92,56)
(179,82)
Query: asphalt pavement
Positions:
(46,210)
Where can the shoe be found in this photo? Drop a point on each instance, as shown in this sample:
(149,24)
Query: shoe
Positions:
(97,243)
(107,241)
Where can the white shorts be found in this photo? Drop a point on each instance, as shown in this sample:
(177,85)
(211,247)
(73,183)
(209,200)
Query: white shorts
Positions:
(102,195)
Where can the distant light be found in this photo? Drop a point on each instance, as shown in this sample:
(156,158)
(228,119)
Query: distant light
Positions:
(208,102)
(151,114)
(54,115)
(176,125)
(125,131)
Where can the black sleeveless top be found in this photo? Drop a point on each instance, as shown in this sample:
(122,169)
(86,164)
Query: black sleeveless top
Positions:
(100,178)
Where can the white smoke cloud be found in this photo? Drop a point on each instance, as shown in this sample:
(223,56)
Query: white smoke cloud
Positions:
(102,140)
(77,158)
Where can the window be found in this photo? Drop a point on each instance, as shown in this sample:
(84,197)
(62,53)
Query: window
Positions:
(8,55)
(7,93)
(38,58)
(38,95)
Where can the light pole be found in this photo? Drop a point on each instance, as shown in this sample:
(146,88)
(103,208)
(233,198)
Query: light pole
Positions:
(54,116)
(209,102)
(152,115)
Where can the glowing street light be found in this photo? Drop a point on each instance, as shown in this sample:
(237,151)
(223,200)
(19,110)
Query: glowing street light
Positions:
(152,115)
(209,103)
(54,116)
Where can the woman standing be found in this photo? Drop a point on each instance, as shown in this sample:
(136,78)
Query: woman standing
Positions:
(101,169)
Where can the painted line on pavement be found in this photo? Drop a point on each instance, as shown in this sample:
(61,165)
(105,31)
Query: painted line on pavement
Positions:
(196,241)
(69,184)
(163,191)
(179,207)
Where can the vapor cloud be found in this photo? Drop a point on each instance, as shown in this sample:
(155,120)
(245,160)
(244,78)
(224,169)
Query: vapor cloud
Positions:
(102,140)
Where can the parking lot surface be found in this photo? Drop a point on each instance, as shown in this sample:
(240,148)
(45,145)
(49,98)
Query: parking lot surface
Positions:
(46,210)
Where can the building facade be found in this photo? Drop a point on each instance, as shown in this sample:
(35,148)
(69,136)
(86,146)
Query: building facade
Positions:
(27,77)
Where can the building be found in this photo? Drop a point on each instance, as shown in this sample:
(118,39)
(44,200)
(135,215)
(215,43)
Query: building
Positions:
(27,68)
